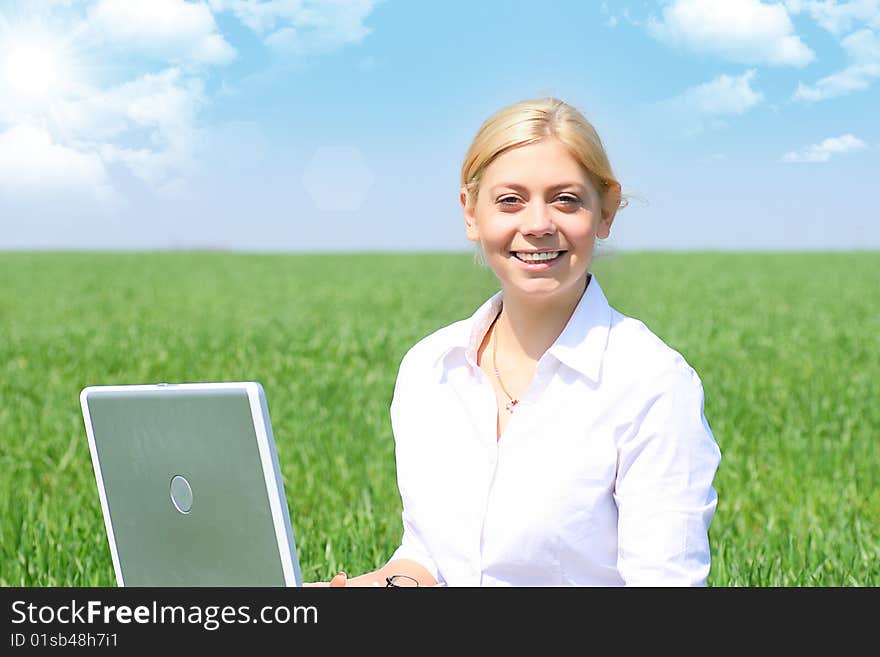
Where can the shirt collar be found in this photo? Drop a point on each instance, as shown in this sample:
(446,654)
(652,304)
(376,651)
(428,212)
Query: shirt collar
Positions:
(580,346)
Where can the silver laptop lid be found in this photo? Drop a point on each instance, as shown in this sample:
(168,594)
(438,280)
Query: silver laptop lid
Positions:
(189,483)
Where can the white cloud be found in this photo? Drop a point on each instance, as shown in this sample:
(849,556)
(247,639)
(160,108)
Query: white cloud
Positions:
(148,126)
(171,30)
(614,21)
(863,47)
(838,17)
(706,106)
(852,78)
(303,26)
(32,166)
(745,31)
(163,101)
(147,123)
(863,51)
(722,96)
(159,136)
(145,126)
(823,151)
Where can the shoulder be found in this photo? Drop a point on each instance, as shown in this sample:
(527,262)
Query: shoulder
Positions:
(659,391)
(416,372)
(635,355)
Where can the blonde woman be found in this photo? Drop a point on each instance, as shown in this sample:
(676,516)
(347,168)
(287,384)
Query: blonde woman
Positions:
(547,440)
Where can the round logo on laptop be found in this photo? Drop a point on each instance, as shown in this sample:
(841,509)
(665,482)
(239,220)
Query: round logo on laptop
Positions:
(181,494)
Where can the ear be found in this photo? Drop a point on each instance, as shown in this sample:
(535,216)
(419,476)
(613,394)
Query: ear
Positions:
(470,222)
(610,204)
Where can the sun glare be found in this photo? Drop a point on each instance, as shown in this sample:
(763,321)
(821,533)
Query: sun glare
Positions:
(31,70)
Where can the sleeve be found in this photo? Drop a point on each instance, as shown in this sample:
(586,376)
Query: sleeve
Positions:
(667,461)
(412,545)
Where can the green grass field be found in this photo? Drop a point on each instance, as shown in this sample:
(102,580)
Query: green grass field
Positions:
(787,346)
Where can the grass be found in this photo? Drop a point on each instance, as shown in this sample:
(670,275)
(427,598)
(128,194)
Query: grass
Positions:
(787,345)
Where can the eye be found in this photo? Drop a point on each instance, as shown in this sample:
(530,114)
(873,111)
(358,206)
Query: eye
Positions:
(567,199)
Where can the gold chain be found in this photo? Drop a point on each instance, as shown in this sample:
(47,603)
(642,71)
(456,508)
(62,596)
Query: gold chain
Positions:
(513,402)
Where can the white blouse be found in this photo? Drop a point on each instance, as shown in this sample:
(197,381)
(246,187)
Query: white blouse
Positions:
(602,477)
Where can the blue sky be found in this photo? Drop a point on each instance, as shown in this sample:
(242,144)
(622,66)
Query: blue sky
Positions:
(286,125)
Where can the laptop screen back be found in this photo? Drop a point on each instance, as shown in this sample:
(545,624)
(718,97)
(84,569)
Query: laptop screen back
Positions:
(190,485)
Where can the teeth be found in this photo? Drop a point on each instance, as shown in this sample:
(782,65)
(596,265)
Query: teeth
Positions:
(537,257)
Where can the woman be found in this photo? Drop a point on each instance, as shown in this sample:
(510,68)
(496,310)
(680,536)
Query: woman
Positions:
(548,439)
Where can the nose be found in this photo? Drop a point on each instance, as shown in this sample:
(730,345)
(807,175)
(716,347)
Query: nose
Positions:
(538,220)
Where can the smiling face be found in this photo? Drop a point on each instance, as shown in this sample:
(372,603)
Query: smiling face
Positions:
(533,199)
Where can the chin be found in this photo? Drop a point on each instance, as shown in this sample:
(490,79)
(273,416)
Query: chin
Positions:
(537,288)
(544,288)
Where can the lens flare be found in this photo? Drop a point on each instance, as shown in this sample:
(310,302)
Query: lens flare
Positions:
(31,69)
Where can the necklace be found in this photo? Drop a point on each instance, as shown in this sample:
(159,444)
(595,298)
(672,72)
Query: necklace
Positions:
(513,402)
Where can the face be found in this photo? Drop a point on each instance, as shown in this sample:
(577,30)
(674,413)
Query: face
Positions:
(536,198)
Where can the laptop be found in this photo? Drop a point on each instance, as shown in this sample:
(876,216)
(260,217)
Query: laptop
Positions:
(189,483)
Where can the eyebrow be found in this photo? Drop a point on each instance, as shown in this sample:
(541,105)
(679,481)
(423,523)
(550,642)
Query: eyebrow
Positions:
(521,188)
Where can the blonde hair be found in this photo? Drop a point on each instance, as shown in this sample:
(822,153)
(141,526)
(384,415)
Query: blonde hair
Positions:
(527,122)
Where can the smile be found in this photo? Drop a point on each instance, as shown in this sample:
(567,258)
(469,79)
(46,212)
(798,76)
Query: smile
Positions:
(538,262)
(542,257)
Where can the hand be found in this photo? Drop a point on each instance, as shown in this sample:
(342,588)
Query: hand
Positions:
(339,580)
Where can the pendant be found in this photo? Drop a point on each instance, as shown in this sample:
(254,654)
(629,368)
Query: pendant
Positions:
(509,406)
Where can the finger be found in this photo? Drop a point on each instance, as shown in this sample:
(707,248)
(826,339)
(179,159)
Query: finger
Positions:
(339,580)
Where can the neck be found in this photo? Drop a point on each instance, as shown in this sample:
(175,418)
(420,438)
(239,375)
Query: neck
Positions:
(527,328)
